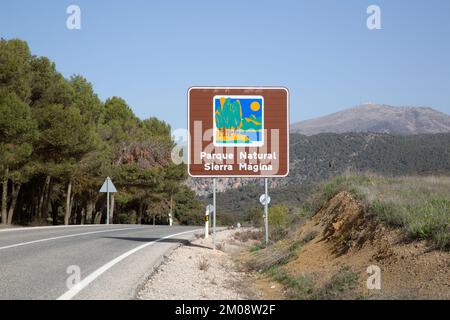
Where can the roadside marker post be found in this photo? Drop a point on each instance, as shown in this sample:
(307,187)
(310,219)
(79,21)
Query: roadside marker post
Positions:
(108,187)
(206,218)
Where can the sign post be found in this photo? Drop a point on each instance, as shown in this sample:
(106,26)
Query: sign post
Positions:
(266,210)
(108,187)
(214,214)
(238,132)
(264,199)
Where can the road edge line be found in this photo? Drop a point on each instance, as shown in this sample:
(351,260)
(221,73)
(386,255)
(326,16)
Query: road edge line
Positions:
(72,292)
(20,244)
(60,227)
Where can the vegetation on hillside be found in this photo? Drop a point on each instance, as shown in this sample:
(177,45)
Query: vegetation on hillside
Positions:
(418,206)
(59,141)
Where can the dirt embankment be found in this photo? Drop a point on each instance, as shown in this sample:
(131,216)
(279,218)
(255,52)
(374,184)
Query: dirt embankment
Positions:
(342,234)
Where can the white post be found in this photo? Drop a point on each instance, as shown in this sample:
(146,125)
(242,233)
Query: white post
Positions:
(266,212)
(214,213)
(206,224)
(171,212)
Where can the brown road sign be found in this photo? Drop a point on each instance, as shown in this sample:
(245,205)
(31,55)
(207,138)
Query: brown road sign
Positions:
(238,131)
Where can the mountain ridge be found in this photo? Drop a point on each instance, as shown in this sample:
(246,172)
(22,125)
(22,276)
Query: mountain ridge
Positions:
(377,118)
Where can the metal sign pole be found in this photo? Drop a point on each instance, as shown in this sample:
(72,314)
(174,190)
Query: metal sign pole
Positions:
(266,212)
(207,223)
(214,213)
(107,187)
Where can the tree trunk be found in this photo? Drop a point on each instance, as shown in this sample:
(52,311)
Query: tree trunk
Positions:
(54,213)
(140,212)
(46,205)
(74,218)
(5,197)
(14,194)
(83,214)
(89,209)
(67,214)
(34,201)
(99,214)
(42,197)
(111,210)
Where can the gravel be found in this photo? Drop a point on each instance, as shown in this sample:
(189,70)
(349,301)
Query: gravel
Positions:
(196,272)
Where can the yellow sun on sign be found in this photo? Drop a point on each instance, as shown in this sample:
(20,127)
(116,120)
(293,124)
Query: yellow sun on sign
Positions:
(255,106)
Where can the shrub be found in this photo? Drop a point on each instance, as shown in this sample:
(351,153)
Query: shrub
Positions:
(203,263)
(343,281)
(278,221)
(246,235)
(302,287)
(297,287)
(275,255)
(255,216)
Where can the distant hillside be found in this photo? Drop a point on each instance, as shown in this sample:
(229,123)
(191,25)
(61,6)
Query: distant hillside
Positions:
(320,157)
(377,118)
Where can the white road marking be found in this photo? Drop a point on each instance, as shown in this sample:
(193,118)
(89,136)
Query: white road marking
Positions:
(54,227)
(65,226)
(94,275)
(62,237)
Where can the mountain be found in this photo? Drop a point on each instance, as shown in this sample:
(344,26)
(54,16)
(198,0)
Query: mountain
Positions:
(377,118)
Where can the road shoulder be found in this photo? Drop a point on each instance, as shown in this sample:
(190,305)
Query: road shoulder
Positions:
(196,272)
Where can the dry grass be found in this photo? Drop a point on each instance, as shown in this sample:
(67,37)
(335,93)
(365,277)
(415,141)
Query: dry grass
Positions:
(221,246)
(419,205)
(303,287)
(245,235)
(264,257)
(277,254)
(309,236)
(203,263)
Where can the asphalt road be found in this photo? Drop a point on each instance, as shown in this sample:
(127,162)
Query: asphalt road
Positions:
(113,261)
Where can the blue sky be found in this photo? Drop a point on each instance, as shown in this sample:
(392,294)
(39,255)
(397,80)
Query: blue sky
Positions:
(246,110)
(150,52)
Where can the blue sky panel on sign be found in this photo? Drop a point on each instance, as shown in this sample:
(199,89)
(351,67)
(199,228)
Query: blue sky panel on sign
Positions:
(238,120)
